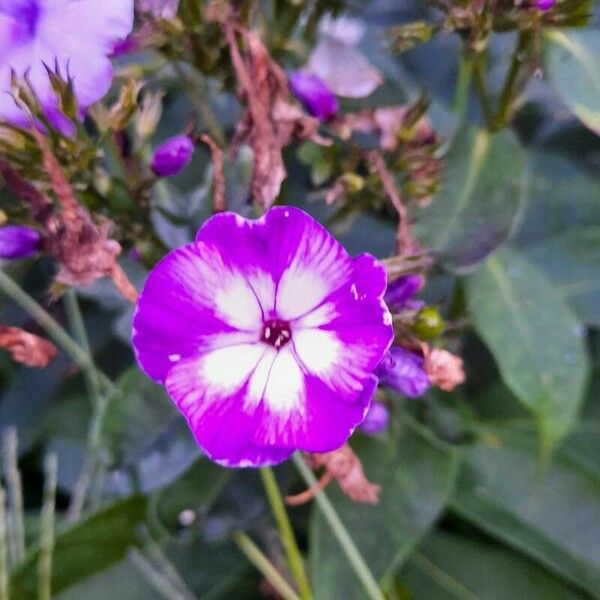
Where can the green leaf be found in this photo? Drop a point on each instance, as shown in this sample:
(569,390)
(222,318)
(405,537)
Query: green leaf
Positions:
(553,516)
(561,196)
(143,432)
(416,473)
(449,566)
(573,69)
(572,260)
(93,544)
(479,201)
(535,338)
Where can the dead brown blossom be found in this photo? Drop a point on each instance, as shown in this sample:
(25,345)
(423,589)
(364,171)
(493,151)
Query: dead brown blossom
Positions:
(83,249)
(444,369)
(27,348)
(271,120)
(219,199)
(345,467)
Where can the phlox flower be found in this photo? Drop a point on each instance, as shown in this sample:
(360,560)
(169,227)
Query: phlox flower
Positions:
(265,334)
(77,36)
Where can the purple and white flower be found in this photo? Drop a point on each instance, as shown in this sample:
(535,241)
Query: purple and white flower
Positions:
(266,334)
(77,36)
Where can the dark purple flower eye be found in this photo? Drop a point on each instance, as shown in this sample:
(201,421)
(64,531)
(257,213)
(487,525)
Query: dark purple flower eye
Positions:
(403,371)
(173,156)
(266,334)
(316,97)
(19,241)
(377,419)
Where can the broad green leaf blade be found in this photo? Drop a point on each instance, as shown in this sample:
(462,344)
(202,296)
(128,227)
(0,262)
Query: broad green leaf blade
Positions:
(536,340)
(142,432)
(479,201)
(416,473)
(554,516)
(82,550)
(449,566)
(572,260)
(573,69)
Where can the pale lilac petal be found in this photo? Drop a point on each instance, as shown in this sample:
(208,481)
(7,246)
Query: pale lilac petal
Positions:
(190,302)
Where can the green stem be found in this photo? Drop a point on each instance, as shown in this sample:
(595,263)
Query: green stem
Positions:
(198,92)
(52,327)
(47,529)
(92,463)
(261,562)
(481,89)
(463,84)
(14,486)
(337,527)
(285,531)
(507,96)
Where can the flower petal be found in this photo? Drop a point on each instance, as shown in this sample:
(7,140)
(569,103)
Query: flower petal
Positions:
(192,301)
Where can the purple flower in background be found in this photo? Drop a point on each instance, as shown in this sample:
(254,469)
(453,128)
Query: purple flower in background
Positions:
(266,334)
(19,241)
(377,419)
(545,5)
(173,156)
(316,97)
(76,36)
(399,294)
(404,372)
(161,9)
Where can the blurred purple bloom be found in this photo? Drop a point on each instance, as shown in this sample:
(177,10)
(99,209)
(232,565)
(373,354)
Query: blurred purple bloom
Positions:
(404,372)
(377,419)
(173,156)
(161,9)
(545,4)
(316,97)
(266,334)
(76,36)
(19,241)
(399,294)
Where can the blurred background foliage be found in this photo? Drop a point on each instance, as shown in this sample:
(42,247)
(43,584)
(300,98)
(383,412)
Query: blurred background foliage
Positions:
(490,491)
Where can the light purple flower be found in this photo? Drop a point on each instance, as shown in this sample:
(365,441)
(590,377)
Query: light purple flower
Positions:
(173,156)
(404,372)
(316,97)
(266,334)
(77,36)
(19,241)
(161,9)
(399,294)
(377,419)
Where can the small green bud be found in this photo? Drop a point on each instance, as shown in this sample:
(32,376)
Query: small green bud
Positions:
(428,323)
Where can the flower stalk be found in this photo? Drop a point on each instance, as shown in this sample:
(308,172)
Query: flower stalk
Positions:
(285,531)
(352,553)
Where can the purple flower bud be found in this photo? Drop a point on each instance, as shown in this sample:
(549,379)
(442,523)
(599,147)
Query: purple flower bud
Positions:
(401,291)
(376,420)
(544,4)
(19,241)
(316,97)
(404,372)
(173,156)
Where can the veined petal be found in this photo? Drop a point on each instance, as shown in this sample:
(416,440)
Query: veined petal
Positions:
(191,302)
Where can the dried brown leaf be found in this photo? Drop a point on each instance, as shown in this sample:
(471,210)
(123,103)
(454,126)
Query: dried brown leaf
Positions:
(219,199)
(27,348)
